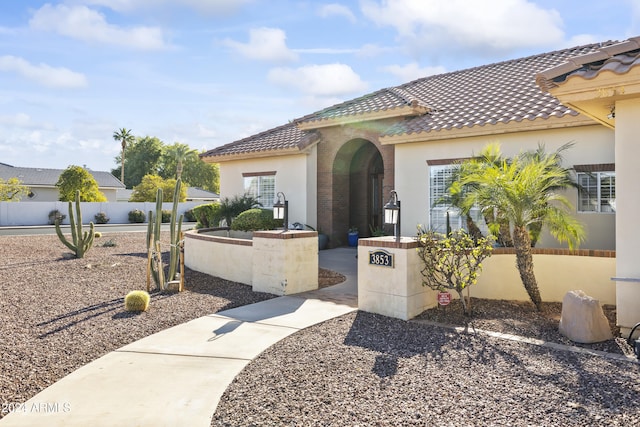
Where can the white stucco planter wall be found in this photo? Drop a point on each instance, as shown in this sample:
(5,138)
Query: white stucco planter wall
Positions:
(285,263)
(556,275)
(275,262)
(224,257)
(395,291)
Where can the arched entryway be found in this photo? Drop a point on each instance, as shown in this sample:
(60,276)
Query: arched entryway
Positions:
(357,190)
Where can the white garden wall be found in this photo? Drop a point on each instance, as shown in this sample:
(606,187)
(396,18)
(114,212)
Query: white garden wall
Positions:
(37,213)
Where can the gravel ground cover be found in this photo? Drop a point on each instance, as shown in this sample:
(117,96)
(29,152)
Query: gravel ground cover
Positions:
(58,313)
(363,369)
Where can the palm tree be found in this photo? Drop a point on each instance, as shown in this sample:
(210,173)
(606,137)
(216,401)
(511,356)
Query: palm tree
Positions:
(524,191)
(124,136)
(179,152)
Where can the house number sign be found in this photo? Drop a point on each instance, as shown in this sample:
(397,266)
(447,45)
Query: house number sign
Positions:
(381,258)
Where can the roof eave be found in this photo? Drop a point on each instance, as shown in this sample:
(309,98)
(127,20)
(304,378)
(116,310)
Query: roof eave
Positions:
(398,112)
(256,154)
(488,129)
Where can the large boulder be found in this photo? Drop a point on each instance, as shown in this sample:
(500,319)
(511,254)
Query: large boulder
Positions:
(582,319)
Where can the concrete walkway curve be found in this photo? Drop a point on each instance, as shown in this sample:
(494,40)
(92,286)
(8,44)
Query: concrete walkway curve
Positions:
(177,376)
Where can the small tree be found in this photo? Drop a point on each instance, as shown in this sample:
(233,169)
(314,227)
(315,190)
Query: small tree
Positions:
(146,191)
(12,190)
(77,178)
(453,261)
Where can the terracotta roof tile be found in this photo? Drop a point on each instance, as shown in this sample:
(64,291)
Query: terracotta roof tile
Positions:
(280,138)
(618,58)
(496,93)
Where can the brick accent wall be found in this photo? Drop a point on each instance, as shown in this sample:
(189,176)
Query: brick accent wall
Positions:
(343,195)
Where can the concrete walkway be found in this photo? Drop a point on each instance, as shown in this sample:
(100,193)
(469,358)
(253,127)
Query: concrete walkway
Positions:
(176,377)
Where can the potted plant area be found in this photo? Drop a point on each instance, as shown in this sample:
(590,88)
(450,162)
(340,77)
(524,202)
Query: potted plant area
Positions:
(353,236)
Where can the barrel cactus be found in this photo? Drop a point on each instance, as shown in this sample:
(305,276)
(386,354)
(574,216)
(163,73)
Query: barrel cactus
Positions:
(137,301)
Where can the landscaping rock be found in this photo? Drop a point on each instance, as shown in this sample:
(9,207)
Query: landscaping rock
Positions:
(582,319)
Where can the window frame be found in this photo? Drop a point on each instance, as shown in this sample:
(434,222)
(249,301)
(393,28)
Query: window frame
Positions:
(265,182)
(599,200)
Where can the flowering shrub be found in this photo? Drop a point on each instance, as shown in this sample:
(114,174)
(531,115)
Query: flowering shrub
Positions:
(452,261)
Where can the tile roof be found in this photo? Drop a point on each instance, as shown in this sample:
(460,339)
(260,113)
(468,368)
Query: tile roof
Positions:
(280,138)
(617,58)
(49,177)
(503,92)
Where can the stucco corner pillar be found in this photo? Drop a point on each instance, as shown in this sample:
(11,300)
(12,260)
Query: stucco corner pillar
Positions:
(389,278)
(285,263)
(627,156)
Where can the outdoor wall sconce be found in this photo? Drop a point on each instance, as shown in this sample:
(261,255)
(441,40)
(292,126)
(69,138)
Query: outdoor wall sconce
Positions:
(392,213)
(281,210)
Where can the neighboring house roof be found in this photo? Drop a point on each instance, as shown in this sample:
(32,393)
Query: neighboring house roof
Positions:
(500,93)
(195,193)
(49,177)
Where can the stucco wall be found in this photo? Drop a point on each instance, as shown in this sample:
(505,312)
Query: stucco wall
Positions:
(556,275)
(227,258)
(295,177)
(593,145)
(628,204)
(398,291)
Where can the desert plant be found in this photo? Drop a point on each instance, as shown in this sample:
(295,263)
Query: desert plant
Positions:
(56,216)
(137,301)
(256,219)
(166,215)
(153,240)
(101,218)
(137,216)
(97,235)
(452,261)
(81,241)
(109,244)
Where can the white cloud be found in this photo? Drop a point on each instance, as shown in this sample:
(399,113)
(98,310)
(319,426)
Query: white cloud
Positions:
(43,74)
(335,9)
(214,7)
(412,71)
(319,80)
(83,23)
(265,44)
(495,25)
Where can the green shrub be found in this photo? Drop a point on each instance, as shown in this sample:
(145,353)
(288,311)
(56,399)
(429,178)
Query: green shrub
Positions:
(189,216)
(136,216)
(56,215)
(137,301)
(208,215)
(166,215)
(256,219)
(101,218)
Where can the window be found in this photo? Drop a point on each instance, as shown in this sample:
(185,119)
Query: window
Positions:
(262,186)
(598,191)
(439,178)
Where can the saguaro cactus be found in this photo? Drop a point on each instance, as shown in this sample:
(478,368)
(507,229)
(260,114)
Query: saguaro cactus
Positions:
(153,241)
(81,241)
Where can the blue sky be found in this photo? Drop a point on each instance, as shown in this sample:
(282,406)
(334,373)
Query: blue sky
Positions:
(209,72)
